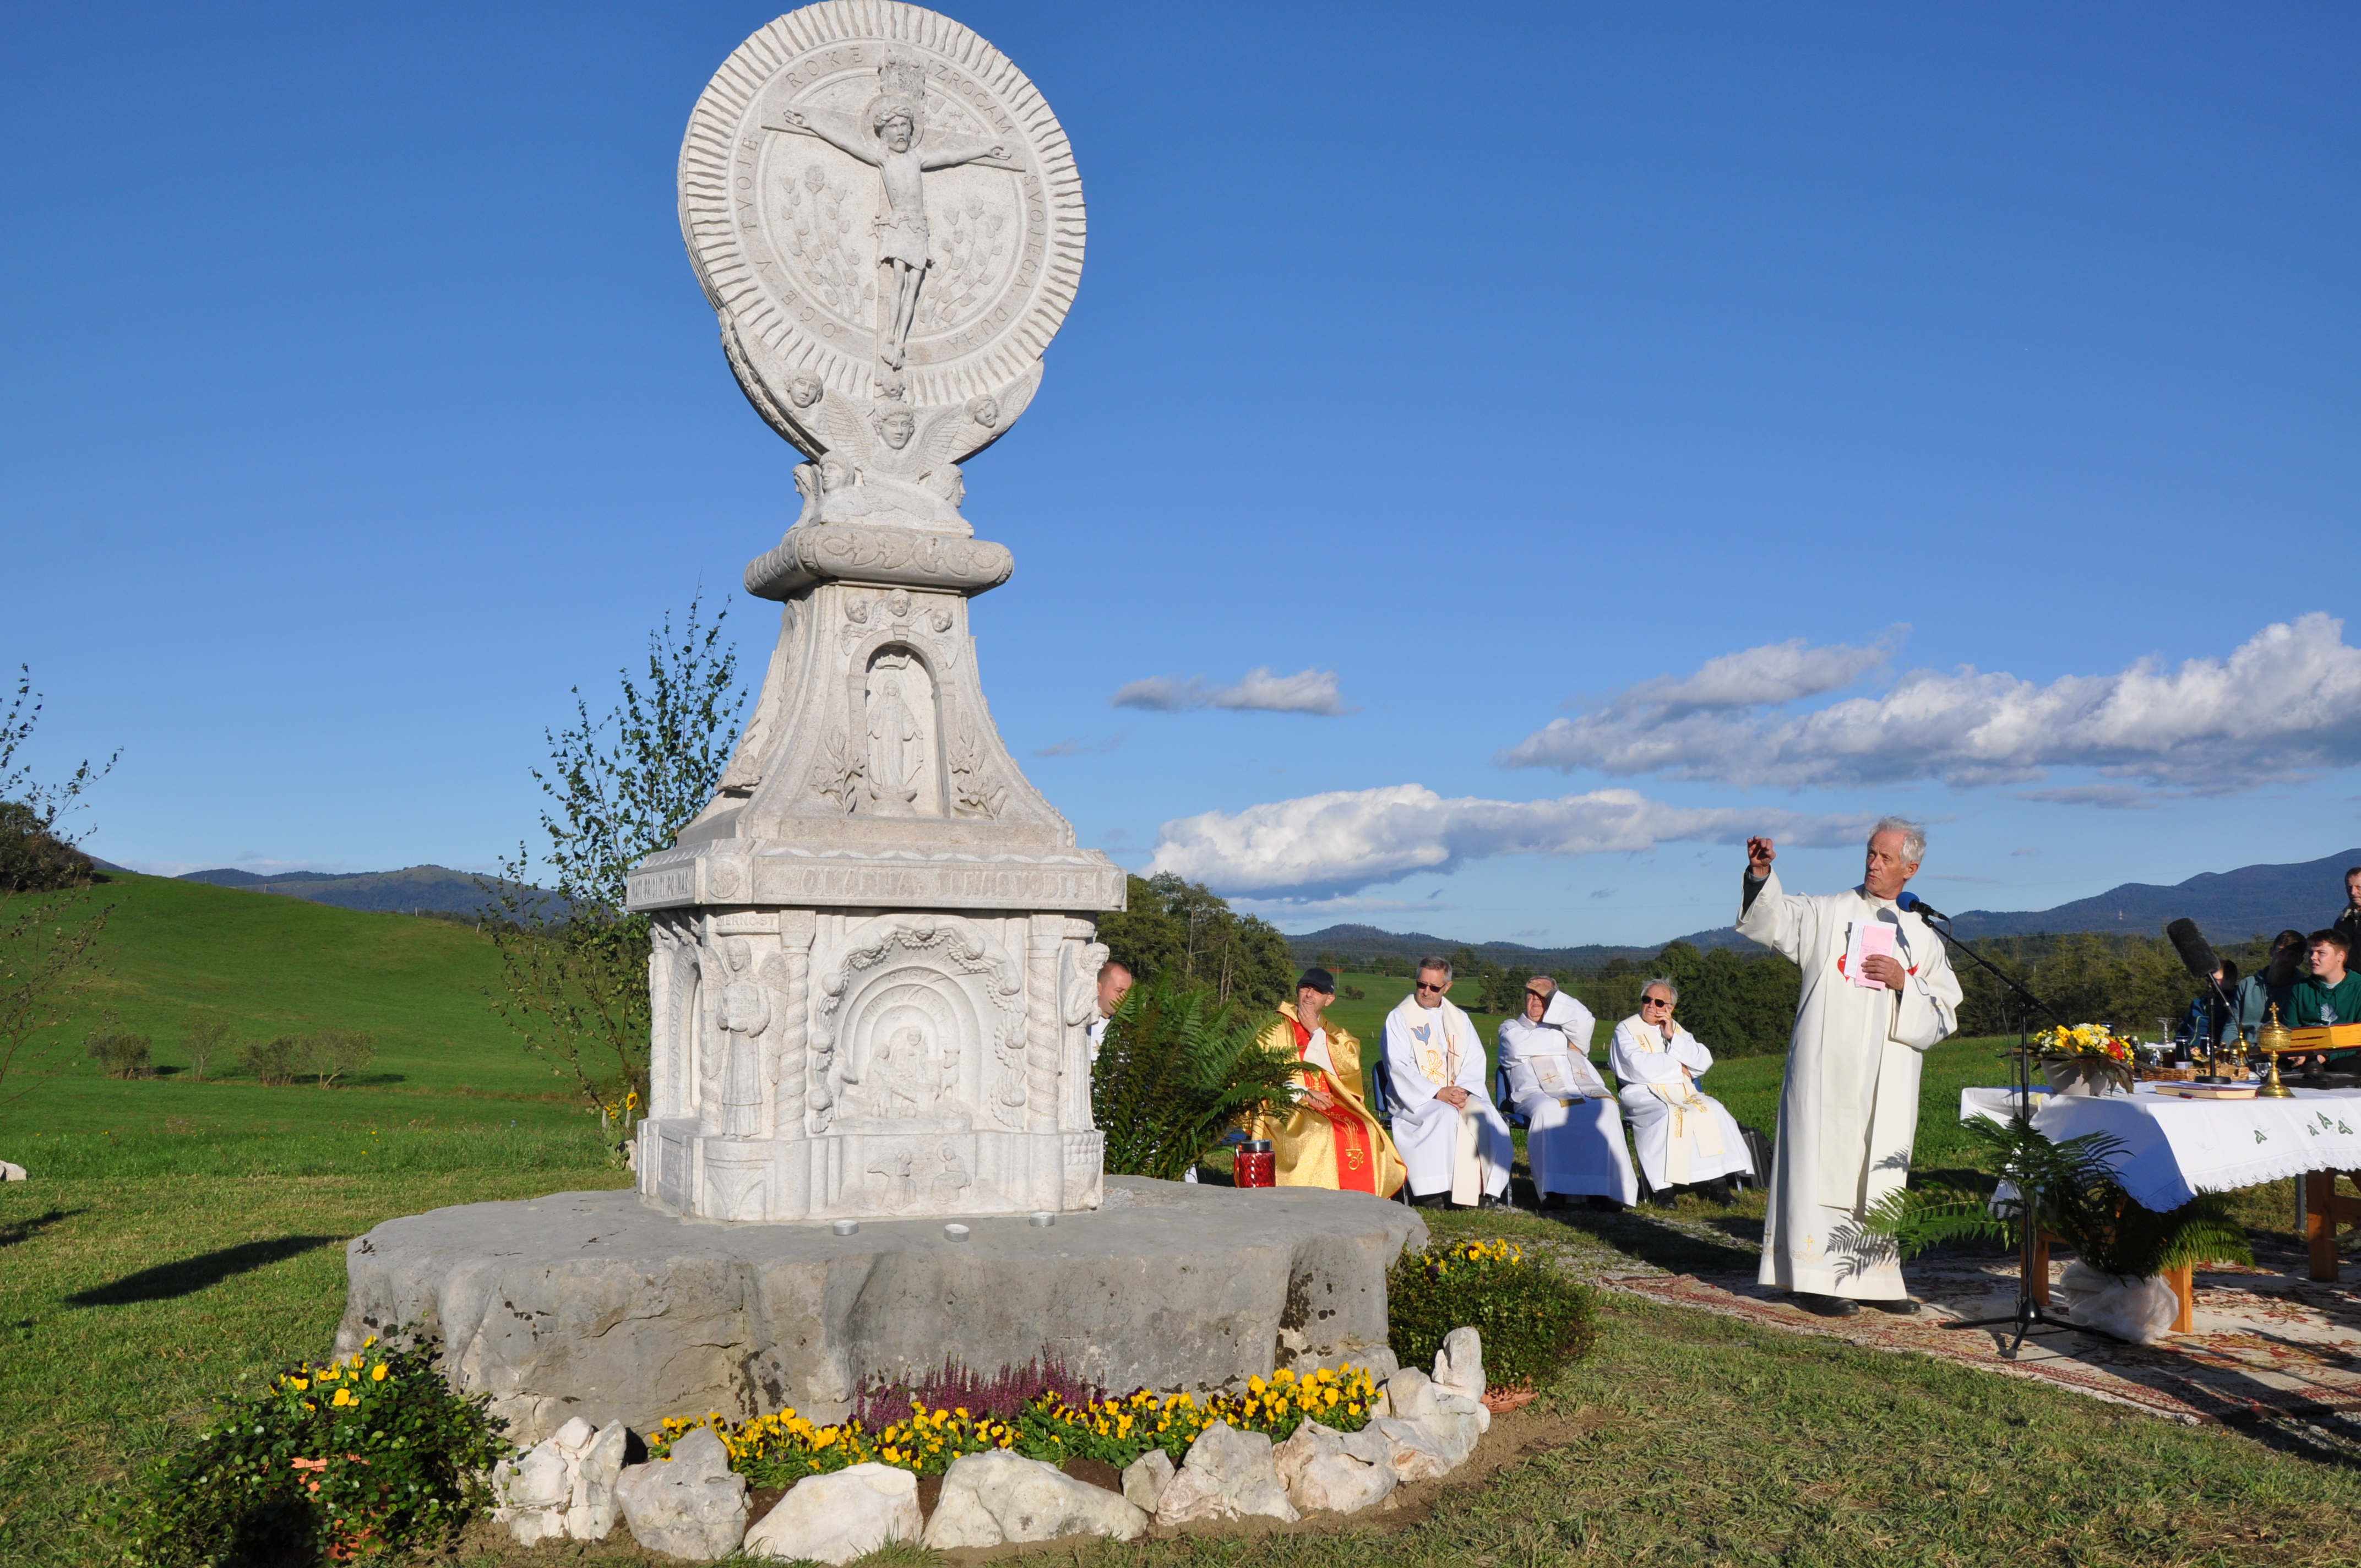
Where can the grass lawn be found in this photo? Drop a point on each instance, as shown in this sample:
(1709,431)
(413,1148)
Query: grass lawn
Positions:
(182,1238)
(274,965)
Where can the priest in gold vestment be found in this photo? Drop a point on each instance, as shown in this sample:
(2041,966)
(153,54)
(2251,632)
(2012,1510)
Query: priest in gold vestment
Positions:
(1329,1139)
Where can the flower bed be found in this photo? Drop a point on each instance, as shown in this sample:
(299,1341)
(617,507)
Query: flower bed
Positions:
(782,1449)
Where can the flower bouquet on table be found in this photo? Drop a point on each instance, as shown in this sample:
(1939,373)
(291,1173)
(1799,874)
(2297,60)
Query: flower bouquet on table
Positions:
(2085,1060)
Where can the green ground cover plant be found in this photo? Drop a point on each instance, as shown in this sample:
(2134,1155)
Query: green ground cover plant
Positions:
(1534,1319)
(357,1457)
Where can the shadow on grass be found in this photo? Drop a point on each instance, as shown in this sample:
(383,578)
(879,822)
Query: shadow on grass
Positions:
(168,1281)
(1637,1235)
(15,1231)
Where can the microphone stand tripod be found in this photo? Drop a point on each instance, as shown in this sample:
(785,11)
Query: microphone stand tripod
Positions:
(2028,1315)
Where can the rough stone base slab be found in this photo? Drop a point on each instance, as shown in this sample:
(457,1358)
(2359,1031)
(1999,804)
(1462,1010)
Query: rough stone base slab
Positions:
(599,1305)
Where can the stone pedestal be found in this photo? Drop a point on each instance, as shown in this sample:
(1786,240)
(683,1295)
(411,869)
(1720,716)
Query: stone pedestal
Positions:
(595,1304)
(873,956)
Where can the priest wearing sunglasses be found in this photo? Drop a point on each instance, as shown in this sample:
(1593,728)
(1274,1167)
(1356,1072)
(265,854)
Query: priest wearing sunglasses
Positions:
(1451,1137)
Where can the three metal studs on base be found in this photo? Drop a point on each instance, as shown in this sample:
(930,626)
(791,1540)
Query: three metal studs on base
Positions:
(1041,1221)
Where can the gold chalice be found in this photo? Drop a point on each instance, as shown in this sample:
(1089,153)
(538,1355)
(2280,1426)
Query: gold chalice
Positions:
(2274,1037)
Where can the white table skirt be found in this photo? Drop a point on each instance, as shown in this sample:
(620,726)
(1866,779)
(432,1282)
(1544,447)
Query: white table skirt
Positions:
(2172,1149)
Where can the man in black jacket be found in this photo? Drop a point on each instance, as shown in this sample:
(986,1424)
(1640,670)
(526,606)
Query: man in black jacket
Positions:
(2348,921)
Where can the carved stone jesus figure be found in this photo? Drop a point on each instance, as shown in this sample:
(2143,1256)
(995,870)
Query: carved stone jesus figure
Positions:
(886,135)
(895,755)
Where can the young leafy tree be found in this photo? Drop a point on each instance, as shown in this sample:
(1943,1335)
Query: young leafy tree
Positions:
(49,916)
(573,960)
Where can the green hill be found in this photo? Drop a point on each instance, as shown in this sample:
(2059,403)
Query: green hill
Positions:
(272,966)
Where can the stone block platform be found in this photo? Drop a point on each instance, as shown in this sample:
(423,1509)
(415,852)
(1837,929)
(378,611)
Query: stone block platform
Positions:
(597,1304)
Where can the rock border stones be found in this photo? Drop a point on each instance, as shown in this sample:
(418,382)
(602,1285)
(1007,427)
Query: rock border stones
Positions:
(575,1485)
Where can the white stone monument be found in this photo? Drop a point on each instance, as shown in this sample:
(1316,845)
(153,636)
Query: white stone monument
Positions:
(874,961)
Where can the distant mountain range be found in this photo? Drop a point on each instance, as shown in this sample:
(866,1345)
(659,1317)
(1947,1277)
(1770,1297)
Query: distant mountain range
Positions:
(1359,944)
(2228,906)
(431,888)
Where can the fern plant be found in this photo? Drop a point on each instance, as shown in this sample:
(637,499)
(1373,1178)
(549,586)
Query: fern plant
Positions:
(2075,1197)
(1178,1069)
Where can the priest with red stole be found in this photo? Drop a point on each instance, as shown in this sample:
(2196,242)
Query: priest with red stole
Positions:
(1328,1138)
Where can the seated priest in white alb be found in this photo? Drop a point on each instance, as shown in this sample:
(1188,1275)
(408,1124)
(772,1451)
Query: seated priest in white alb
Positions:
(1685,1138)
(1575,1136)
(1450,1136)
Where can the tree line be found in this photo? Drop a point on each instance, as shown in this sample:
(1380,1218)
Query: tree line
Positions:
(1741,1004)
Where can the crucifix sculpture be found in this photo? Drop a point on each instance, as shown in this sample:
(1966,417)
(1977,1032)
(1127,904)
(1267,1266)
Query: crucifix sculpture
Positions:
(886,135)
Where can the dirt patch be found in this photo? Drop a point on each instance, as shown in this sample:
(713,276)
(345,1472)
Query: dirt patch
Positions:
(930,1492)
(1097,1471)
(760,1500)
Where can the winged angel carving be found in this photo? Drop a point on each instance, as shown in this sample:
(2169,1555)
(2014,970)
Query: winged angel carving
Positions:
(877,460)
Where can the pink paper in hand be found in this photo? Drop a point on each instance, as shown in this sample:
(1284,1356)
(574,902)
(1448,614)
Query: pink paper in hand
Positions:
(1871,939)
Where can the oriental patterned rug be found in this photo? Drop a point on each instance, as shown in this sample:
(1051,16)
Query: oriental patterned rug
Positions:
(2267,1342)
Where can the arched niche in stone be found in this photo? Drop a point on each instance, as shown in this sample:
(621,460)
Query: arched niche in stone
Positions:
(922,1023)
(902,721)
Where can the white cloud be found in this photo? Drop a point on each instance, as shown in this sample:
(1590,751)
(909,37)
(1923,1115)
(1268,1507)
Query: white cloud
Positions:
(2105,796)
(1331,843)
(1306,691)
(1771,675)
(1079,748)
(2287,701)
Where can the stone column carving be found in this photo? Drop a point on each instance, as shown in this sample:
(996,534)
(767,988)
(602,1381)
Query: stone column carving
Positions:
(1043,1024)
(709,1056)
(789,972)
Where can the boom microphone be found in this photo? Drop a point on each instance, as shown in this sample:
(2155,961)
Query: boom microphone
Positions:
(1919,907)
(2190,943)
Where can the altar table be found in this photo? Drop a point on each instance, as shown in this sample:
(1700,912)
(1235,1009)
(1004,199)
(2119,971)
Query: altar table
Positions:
(2171,1149)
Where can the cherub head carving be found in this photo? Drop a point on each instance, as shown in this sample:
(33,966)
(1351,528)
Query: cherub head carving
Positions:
(895,426)
(739,953)
(804,391)
(984,410)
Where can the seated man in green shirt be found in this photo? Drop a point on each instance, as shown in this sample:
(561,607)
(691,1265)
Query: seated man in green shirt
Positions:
(2328,994)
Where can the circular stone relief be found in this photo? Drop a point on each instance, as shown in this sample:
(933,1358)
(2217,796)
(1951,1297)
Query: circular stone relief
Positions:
(935,257)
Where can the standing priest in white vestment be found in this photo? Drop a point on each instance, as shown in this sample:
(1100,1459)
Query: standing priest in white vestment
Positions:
(1878,993)
(1574,1134)
(1451,1137)
(1685,1137)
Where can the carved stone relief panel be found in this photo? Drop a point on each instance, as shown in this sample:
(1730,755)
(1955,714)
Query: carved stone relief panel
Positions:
(914,1015)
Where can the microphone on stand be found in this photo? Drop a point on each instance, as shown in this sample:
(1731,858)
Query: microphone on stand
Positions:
(1919,907)
(2198,956)
(2190,944)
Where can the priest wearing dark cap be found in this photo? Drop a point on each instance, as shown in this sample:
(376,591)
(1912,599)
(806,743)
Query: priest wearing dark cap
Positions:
(1328,1138)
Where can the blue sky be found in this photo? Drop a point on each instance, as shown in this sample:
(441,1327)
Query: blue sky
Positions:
(1664,400)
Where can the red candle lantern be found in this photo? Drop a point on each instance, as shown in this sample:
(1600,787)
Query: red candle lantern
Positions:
(1254,1165)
